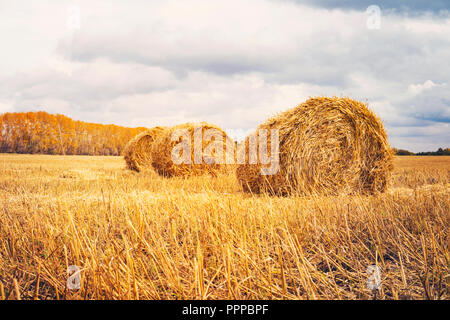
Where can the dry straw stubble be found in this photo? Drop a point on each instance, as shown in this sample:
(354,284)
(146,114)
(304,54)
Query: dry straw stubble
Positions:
(326,146)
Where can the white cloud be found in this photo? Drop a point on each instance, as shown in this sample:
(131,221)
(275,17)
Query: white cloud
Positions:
(419,88)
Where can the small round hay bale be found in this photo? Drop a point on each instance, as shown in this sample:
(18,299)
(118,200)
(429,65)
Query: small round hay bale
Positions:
(326,146)
(137,152)
(205,161)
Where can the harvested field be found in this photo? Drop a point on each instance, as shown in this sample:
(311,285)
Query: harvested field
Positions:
(142,236)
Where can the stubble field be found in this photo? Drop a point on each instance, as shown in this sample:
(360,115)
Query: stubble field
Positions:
(141,236)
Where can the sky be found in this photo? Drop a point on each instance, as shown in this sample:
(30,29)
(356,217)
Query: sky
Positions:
(231,63)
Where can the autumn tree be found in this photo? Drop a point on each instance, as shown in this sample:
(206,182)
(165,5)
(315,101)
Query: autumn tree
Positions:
(41,132)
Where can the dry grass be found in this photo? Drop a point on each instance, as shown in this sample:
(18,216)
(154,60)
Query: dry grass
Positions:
(142,236)
(327,146)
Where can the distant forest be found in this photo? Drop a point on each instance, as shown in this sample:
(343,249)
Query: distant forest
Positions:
(44,133)
(439,152)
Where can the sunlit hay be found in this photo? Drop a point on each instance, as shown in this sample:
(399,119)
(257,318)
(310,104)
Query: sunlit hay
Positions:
(137,153)
(326,146)
(213,155)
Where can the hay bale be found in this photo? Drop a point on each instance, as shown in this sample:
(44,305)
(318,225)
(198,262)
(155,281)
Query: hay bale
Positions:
(164,145)
(137,152)
(326,146)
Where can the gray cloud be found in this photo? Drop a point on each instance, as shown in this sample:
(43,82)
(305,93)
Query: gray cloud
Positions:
(310,50)
(430,104)
(412,6)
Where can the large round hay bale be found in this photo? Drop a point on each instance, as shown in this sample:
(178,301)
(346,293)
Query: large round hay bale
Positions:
(203,150)
(137,152)
(326,146)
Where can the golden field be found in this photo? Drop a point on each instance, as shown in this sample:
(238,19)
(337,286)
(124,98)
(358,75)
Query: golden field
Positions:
(141,236)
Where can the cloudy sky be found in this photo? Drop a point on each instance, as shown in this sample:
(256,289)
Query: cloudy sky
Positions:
(231,63)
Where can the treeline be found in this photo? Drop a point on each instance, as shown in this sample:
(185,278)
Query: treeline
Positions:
(439,152)
(41,132)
